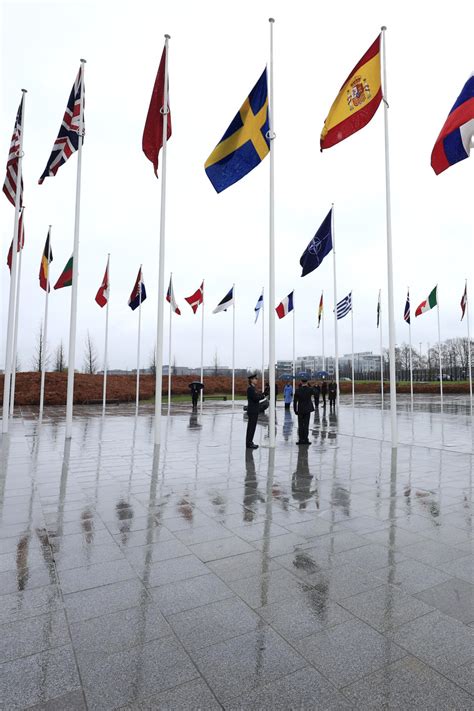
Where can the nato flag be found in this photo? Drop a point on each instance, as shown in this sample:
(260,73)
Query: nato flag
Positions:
(319,247)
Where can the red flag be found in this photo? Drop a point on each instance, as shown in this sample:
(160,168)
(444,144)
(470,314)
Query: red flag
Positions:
(152,139)
(102,295)
(21,240)
(196,299)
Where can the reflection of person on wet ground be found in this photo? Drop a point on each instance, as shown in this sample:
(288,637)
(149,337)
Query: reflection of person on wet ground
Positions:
(301,479)
(125,515)
(194,423)
(324,427)
(303,407)
(332,434)
(288,424)
(251,494)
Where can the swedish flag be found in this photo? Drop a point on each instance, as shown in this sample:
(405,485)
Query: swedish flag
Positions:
(245,143)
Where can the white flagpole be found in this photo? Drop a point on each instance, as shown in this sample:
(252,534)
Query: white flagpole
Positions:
(381,345)
(45,331)
(104,393)
(75,271)
(294,350)
(271,295)
(439,353)
(233,347)
(11,301)
(322,320)
(161,266)
(352,339)
(336,357)
(202,346)
(391,313)
(263,341)
(411,362)
(469,350)
(169,349)
(15,332)
(137,396)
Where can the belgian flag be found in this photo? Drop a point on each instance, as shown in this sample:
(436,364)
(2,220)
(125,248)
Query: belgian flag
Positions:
(65,278)
(46,260)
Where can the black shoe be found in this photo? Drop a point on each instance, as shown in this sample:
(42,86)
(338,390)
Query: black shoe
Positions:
(252,446)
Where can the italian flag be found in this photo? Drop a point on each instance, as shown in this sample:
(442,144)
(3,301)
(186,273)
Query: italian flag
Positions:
(66,277)
(428,304)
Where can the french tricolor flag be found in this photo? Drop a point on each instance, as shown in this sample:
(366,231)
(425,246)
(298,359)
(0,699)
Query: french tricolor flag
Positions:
(285,306)
(454,142)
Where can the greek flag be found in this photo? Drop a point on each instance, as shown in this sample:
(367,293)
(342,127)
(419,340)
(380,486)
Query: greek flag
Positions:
(344,306)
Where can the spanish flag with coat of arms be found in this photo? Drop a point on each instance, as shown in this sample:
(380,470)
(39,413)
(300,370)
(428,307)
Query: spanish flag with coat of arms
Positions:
(357,101)
(245,143)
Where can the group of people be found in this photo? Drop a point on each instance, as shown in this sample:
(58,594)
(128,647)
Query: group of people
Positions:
(303,398)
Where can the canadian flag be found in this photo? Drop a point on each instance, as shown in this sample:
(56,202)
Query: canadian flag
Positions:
(102,295)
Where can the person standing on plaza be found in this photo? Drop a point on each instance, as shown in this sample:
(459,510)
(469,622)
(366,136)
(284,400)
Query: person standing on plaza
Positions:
(253,408)
(324,391)
(303,407)
(316,394)
(288,395)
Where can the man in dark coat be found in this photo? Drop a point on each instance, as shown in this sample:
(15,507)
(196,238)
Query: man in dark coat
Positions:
(324,391)
(253,408)
(332,392)
(303,407)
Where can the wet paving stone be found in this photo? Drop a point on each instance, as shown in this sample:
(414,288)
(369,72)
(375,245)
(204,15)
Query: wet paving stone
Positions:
(199,575)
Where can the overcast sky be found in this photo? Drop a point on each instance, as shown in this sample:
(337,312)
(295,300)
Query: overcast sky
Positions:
(217,52)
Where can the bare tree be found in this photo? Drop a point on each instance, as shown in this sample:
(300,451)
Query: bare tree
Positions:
(40,355)
(216,363)
(153,362)
(174,370)
(90,356)
(60,359)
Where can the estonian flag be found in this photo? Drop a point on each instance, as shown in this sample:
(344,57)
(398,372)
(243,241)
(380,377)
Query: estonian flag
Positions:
(319,247)
(226,302)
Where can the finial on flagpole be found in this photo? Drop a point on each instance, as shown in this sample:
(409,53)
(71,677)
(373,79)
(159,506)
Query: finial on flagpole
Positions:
(83,61)
(383,28)
(271,19)
(25,91)
(167,37)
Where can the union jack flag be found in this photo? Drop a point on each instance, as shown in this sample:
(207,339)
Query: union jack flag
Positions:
(9,186)
(67,141)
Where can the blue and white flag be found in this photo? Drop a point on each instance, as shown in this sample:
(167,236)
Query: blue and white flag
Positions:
(258,306)
(226,302)
(344,306)
(319,247)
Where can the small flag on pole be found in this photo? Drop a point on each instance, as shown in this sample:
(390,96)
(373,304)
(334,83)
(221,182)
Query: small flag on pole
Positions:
(357,101)
(196,299)
(102,295)
(285,306)
(320,309)
(344,306)
(245,143)
(152,140)
(11,178)
(258,307)
(319,247)
(170,298)
(378,310)
(428,304)
(65,278)
(46,260)
(67,141)
(464,302)
(226,302)
(406,313)
(21,240)
(138,294)
(454,142)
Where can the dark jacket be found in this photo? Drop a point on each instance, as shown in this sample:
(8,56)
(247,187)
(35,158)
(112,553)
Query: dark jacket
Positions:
(332,390)
(253,399)
(324,388)
(303,400)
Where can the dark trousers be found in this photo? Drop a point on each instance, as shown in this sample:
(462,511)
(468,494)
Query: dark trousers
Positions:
(195,398)
(251,425)
(303,427)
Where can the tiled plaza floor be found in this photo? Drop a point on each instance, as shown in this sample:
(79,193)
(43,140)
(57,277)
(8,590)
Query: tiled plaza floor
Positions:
(204,576)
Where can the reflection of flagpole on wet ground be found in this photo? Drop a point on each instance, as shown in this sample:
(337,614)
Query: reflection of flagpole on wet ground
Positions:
(262,625)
